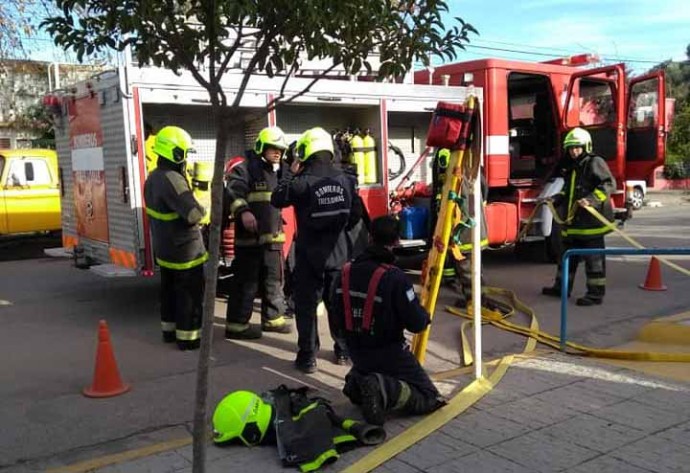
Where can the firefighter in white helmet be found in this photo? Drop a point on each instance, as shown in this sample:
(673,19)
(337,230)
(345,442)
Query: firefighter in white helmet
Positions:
(259,238)
(588,182)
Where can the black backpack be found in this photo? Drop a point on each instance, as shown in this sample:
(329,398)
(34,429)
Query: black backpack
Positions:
(330,202)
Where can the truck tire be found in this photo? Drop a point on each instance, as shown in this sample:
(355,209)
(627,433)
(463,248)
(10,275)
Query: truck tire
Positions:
(553,244)
(637,199)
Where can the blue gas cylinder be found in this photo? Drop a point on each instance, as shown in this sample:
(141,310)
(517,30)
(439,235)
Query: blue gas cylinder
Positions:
(414,222)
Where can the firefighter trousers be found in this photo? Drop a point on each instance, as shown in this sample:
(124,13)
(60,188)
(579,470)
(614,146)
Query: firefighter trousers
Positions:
(595,266)
(182,296)
(404,384)
(256,270)
(311,286)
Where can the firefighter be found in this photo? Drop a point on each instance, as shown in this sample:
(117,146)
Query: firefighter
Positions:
(373,304)
(588,182)
(323,198)
(175,215)
(458,269)
(259,238)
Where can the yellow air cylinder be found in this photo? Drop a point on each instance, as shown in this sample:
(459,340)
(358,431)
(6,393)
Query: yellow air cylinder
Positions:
(202,176)
(369,158)
(357,156)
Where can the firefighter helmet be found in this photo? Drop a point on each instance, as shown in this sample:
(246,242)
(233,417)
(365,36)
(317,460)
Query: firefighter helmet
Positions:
(271,136)
(174,144)
(312,141)
(443,158)
(578,137)
(243,415)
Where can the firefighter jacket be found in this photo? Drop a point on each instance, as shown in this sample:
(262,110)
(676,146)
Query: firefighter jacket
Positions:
(587,177)
(308,432)
(249,187)
(326,208)
(174,214)
(374,303)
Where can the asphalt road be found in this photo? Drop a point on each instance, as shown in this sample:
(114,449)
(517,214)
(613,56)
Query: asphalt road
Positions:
(50,311)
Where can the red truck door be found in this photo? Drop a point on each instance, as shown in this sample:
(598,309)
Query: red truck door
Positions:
(595,101)
(646,123)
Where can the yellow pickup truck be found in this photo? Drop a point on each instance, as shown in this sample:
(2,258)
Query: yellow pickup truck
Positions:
(29,191)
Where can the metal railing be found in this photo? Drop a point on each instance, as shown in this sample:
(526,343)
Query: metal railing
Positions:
(565,265)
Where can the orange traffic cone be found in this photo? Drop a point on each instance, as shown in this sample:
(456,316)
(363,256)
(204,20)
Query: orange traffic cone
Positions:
(653,281)
(106,377)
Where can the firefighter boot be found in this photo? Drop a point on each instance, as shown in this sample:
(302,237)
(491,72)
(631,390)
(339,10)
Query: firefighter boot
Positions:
(588,300)
(185,345)
(553,291)
(351,388)
(412,401)
(242,332)
(277,325)
(373,403)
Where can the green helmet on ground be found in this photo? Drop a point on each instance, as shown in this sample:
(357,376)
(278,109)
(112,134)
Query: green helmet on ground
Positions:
(312,141)
(243,415)
(578,137)
(174,144)
(271,136)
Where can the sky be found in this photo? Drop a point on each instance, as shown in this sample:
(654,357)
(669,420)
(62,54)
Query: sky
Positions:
(640,32)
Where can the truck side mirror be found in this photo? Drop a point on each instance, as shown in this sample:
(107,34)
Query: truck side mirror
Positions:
(29,172)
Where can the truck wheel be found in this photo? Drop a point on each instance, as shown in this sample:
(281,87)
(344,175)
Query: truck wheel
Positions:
(553,245)
(637,198)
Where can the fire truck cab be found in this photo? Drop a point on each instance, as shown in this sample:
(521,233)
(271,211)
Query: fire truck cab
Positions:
(528,108)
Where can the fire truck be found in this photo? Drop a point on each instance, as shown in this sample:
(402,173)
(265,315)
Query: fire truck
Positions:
(101,127)
(527,109)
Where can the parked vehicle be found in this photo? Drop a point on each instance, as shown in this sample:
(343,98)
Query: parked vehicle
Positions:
(100,126)
(29,191)
(528,107)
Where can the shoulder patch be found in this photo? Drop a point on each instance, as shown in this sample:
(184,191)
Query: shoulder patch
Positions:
(410,294)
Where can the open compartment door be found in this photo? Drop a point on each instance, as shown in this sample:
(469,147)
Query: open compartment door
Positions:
(646,137)
(595,101)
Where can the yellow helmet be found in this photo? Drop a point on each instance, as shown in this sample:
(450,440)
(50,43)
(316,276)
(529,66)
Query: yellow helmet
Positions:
(443,157)
(174,144)
(270,136)
(243,415)
(578,137)
(312,141)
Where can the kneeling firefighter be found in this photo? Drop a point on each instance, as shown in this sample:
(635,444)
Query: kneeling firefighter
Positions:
(308,432)
(373,305)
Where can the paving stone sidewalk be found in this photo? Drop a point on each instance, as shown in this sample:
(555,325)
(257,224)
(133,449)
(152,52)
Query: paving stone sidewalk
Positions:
(550,413)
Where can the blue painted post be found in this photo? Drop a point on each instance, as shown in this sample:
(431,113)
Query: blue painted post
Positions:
(565,276)
(565,270)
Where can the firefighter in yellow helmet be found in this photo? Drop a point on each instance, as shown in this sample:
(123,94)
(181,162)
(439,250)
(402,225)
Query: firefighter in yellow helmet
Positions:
(259,238)
(175,214)
(588,181)
(324,200)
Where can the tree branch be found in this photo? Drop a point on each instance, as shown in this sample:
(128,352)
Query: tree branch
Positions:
(230,52)
(273,103)
(179,47)
(250,69)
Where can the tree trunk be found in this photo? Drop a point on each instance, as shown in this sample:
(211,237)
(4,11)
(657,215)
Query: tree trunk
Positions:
(200,435)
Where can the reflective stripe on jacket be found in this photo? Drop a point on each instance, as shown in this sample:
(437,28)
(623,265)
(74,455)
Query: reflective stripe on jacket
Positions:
(249,188)
(174,214)
(589,178)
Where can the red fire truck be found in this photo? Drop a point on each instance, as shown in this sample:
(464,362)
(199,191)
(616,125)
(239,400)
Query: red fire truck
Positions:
(527,109)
